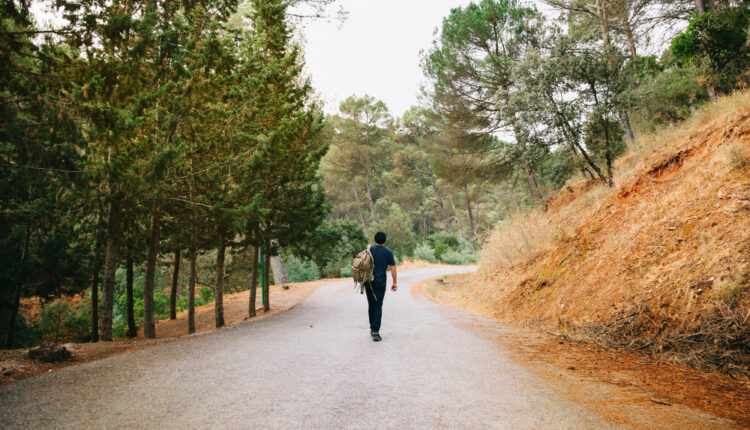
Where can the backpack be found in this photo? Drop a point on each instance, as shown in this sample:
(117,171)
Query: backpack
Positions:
(363,268)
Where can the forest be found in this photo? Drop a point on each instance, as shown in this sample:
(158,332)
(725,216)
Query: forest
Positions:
(156,155)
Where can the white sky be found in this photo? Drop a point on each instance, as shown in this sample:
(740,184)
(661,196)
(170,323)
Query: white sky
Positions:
(375,52)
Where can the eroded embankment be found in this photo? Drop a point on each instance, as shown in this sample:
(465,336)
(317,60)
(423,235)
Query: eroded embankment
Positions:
(657,265)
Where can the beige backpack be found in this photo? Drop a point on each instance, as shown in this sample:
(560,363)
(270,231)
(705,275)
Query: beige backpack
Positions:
(363,268)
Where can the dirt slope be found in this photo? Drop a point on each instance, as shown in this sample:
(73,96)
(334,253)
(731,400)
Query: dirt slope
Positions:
(657,265)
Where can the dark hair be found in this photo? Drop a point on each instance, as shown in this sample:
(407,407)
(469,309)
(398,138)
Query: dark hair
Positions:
(380,238)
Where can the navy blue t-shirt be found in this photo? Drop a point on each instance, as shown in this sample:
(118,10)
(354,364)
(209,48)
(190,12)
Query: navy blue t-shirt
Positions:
(383,257)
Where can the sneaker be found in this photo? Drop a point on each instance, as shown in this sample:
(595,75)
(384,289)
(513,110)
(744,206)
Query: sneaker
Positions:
(376,337)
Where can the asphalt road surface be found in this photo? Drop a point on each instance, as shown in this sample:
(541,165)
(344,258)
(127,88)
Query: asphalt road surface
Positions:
(314,366)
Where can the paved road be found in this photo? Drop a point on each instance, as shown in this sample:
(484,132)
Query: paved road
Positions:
(312,367)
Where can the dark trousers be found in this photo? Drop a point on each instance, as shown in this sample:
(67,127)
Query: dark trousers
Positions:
(375,304)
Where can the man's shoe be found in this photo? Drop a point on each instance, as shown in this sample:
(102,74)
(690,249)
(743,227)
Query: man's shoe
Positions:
(376,337)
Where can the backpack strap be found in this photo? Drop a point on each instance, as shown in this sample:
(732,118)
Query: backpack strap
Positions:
(371,275)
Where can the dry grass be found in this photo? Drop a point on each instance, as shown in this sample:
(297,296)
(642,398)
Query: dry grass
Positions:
(673,234)
(519,238)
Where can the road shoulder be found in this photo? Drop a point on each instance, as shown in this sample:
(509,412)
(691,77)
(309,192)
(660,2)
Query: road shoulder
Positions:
(639,391)
(15,366)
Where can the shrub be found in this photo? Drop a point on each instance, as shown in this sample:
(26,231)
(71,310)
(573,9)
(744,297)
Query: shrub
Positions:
(442,243)
(425,252)
(301,269)
(206,296)
(346,271)
(63,321)
(332,245)
(454,257)
(397,226)
(737,156)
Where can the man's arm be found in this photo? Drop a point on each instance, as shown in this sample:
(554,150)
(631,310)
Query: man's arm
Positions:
(394,287)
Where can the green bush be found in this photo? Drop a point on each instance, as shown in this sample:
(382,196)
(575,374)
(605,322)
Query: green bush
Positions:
(340,256)
(397,225)
(425,252)
(301,269)
(346,271)
(442,243)
(62,321)
(453,257)
(332,245)
(465,256)
(205,296)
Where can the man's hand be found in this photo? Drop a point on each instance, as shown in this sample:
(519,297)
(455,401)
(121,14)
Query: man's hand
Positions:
(394,287)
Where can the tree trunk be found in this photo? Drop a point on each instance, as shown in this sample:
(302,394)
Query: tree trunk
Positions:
(586,173)
(266,303)
(149,325)
(700,7)
(531,181)
(173,291)
(132,328)
(476,216)
(628,131)
(253,283)
(455,217)
(279,273)
(17,293)
(608,153)
(193,279)
(629,35)
(468,209)
(219,290)
(435,188)
(573,138)
(359,209)
(110,266)
(95,302)
(712,95)
(621,112)
(370,202)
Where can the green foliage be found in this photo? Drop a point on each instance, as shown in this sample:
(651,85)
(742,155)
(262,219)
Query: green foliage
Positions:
(63,321)
(332,245)
(720,36)
(459,257)
(604,138)
(59,321)
(425,252)
(671,95)
(397,226)
(300,269)
(205,296)
(442,243)
(120,318)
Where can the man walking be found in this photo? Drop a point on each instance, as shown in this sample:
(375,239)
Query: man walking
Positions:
(382,258)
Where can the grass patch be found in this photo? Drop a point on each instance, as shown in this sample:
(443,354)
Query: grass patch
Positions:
(431,290)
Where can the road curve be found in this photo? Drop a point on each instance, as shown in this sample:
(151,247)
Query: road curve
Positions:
(314,366)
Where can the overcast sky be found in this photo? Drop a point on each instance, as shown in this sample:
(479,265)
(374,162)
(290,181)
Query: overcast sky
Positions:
(375,52)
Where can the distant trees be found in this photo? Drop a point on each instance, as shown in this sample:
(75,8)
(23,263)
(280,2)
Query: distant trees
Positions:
(473,89)
(360,138)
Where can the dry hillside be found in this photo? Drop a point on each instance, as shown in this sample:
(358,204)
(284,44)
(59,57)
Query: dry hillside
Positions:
(658,264)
